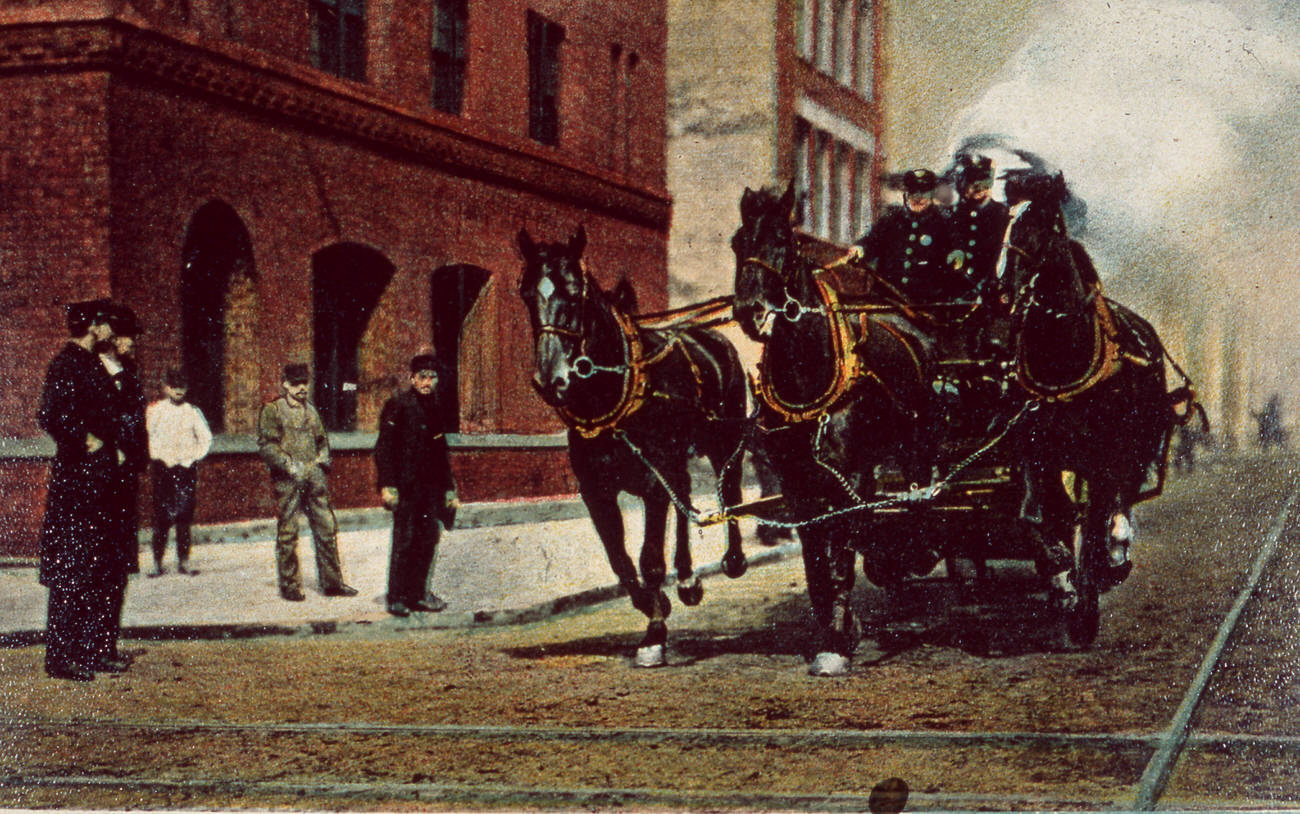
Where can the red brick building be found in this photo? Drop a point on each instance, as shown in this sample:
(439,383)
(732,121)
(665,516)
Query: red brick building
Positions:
(331,181)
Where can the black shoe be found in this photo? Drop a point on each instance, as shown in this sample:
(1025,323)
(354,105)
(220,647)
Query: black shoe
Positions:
(184,568)
(111,665)
(431,604)
(69,672)
(158,570)
(340,590)
(293,595)
(398,609)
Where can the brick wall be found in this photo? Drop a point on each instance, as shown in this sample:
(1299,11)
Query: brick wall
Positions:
(54,217)
(104,169)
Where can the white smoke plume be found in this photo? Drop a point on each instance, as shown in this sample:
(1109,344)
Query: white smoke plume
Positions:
(1178,123)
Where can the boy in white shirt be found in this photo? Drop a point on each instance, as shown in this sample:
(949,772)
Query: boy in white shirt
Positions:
(178,439)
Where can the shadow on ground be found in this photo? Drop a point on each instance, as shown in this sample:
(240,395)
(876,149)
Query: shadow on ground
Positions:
(782,629)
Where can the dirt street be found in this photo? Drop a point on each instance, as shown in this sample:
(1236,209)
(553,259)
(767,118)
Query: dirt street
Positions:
(971,711)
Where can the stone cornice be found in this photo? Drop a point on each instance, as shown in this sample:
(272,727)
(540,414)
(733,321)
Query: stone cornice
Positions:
(284,91)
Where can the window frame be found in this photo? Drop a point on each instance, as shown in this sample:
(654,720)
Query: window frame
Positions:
(545,38)
(448,55)
(343,51)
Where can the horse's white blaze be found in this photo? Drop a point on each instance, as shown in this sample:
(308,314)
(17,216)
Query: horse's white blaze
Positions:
(651,656)
(829,664)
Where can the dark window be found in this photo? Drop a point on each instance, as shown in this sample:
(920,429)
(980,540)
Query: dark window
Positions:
(544,38)
(453,292)
(218,323)
(347,282)
(338,37)
(449,23)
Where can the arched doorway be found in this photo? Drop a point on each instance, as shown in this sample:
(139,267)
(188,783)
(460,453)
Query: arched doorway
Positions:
(453,291)
(218,298)
(347,281)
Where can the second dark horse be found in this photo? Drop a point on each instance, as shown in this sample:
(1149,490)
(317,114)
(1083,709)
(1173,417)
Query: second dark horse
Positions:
(639,403)
(845,387)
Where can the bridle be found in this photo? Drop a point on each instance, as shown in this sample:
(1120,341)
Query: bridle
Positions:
(792,310)
(634,385)
(584,367)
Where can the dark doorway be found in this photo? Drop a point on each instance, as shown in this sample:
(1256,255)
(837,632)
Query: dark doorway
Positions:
(217,296)
(453,291)
(347,282)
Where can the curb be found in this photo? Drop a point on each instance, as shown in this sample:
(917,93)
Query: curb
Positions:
(469,516)
(382,623)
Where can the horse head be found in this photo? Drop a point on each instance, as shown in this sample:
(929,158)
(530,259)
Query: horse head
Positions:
(766,254)
(1048,272)
(564,306)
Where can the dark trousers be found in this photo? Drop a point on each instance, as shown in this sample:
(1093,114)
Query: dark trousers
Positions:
(410,562)
(68,626)
(83,621)
(174,490)
(106,623)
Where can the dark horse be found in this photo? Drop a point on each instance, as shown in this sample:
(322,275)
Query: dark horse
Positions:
(843,387)
(639,404)
(1097,370)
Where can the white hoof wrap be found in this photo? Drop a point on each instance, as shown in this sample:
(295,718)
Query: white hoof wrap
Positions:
(829,664)
(1121,528)
(652,656)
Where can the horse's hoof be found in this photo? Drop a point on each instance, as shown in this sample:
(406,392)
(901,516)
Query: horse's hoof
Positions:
(734,565)
(829,664)
(650,656)
(1114,575)
(1062,594)
(690,591)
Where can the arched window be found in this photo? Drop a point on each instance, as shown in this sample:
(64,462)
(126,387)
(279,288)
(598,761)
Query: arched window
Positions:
(219,318)
(347,282)
(453,292)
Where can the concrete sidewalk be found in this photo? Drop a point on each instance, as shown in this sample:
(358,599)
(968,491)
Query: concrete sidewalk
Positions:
(495,573)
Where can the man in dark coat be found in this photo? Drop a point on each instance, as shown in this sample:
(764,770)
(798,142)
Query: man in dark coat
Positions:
(416,485)
(118,358)
(77,541)
(912,247)
(980,227)
(979,222)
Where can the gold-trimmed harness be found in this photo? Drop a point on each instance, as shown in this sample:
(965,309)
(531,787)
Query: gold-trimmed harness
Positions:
(1107,359)
(636,390)
(849,326)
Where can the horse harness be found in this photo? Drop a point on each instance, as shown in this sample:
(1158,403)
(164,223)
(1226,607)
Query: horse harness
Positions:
(635,391)
(850,325)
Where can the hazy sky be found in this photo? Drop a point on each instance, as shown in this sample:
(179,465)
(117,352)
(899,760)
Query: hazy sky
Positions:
(1179,125)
